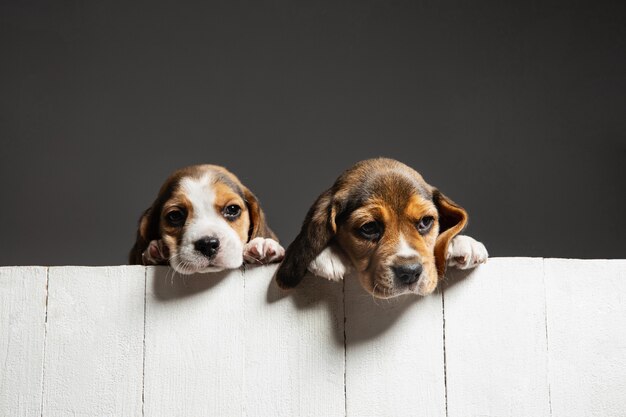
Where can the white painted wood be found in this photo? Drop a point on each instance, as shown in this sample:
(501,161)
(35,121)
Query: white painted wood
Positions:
(194,344)
(294,347)
(233,344)
(496,350)
(394,355)
(586,303)
(22,328)
(94,341)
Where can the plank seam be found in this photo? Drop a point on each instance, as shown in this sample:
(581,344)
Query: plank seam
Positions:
(545,315)
(244,382)
(345,349)
(45,337)
(445,363)
(143,347)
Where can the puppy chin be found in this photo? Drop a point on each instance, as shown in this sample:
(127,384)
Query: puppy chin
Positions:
(380,287)
(197,264)
(226,261)
(426,284)
(201,268)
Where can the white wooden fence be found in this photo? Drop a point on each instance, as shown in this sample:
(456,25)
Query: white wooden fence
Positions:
(517,337)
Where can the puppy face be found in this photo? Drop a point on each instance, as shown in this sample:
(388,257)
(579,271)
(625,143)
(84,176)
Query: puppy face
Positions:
(387,221)
(391,241)
(204,224)
(203,216)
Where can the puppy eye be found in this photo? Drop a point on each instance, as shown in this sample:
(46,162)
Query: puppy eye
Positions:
(425,223)
(231,212)
(176,217)
(370,230)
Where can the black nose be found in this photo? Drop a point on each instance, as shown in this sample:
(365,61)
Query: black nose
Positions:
(207,246)
(408,274)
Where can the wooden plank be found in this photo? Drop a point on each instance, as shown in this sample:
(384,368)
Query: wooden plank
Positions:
(22,329)
(94,344)
(587,337)
(496,350)
(233,344)
(394,354)
(194,344)
(294,347)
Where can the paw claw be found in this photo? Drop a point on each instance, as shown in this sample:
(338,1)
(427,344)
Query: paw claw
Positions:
(263,251)
(331,263)
(461,260)
(465,252)
(156,253)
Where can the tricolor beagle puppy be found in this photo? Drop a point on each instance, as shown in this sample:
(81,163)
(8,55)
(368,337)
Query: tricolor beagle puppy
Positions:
(383,221)
(204,220)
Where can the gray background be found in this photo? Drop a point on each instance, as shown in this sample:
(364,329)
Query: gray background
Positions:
(514,109)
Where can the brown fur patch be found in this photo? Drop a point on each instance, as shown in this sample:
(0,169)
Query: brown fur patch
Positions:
(228,190)
(396,197)
(224,197)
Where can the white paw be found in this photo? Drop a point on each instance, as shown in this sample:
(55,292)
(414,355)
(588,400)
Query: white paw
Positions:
(331,263)
(263,251)
(465,252)
(156,253)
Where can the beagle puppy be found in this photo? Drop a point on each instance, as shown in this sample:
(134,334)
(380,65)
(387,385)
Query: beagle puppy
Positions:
(381,220)
(204,220)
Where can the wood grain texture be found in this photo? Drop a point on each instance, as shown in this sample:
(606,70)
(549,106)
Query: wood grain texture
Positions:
(496,349)
(22,329)
(194,344)
(94,342)
(586,306)
(394,355)
(294,347)
(523,337)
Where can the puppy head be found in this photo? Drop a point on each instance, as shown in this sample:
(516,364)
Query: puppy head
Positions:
(204,216)
(392,226)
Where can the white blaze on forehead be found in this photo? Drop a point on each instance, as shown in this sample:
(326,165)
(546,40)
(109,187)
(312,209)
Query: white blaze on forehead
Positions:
(405,250)
(201,194)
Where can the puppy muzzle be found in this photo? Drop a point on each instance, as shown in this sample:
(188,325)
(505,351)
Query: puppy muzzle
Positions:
(207,246)
(407,274)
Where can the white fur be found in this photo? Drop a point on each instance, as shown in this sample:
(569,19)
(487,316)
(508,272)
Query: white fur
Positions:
(263,251)
(331,263)
(206,221)
(465,252)
(404,250)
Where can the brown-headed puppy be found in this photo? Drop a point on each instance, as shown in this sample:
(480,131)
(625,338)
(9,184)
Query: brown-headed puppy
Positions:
(383,221)
(204,220)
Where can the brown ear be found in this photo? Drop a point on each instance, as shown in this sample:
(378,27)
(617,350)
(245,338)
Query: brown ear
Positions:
(452,220)
(318,229)
(147,231)
(258,225)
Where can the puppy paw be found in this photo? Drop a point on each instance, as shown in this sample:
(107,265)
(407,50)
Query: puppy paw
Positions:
(331,263)
(156,253)
(263,251)
(465,252)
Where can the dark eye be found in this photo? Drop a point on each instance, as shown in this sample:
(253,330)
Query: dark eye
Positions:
(425,223)
(232,212)
(176,217)
(370,230)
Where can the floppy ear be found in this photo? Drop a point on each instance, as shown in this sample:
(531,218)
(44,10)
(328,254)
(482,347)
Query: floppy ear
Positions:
(147,231)
(452,220)
(318,229)
(258,225)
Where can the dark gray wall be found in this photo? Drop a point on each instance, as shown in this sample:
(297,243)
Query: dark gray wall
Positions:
(514,109)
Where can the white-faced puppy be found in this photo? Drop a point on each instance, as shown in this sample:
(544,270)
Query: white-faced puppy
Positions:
(204,220)
(382,220)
